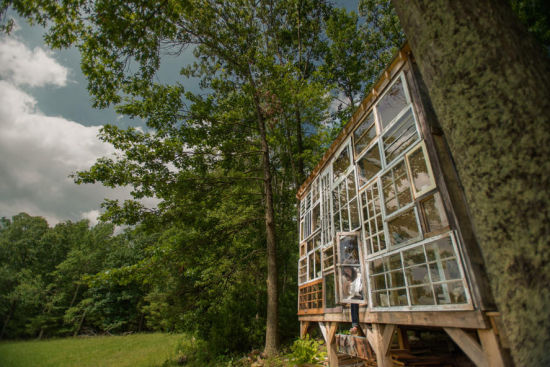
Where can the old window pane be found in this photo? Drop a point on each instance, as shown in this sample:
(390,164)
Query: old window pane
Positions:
(421,173)
(396,279)
(434,214)
(414,256)
(401,136)
(403,228)
(330,291)
(349,250)
(398,297)
(341,164)
(369,165)
(317,255)
(316,220)
(422,295)
(450,293)
(328,257)
(396,188)
(440,249)
(417,275)
(391,104)
(379,282)
(351,282)
(364,134)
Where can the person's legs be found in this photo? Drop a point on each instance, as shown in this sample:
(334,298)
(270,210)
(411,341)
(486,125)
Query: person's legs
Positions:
(354,318)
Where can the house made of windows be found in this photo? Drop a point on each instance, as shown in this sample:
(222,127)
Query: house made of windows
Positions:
(383,224)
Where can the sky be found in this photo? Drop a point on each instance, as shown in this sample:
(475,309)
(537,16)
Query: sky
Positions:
(48,128)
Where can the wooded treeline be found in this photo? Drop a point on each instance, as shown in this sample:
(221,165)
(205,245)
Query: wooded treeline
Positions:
(218,255)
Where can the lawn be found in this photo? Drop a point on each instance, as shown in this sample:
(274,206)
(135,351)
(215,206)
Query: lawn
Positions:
(147,350)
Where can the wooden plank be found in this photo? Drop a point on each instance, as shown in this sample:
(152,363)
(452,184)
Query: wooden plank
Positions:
(491,347)
(323,328)
(387,335)
(469,346)
(458,319)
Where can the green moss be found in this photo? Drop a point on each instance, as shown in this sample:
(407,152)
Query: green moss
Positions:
(490,90)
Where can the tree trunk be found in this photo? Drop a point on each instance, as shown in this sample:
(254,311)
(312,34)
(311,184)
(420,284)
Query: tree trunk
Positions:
(271,332)
(300,146)
(7,320)
(489,84)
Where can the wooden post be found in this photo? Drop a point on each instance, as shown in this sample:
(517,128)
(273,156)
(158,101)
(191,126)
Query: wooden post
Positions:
(304,325)
(469,346)
(331,345)
(491,347)
(382,335)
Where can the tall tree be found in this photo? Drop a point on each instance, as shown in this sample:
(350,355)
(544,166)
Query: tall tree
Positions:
(489,83)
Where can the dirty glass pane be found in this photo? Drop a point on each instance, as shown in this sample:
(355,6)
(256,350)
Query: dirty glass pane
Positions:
(440,249)
(328,257)
(316,220)
(345,218)
(369,165)
(398,297)
(401,136)
(417,275)
(421,177)
(317,255)
(450,293)
(341,164)
(403,228)
(421,295)
(330,291)
(414,256)
(311,274)
(349,250)
(379,265)
(434,213)
(364,134)
(352,190)
(391,104)
(396,279)
(354,214)
(381,299)
(379,282)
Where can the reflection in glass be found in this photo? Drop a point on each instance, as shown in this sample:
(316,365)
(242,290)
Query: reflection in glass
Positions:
(414,256)
(421,295)
(364,134)
(316,220)
(328,257)
(417,275)
(396,188)
(391,104)
(450,293)
(440,249)
(330,291)
(403,228)
(421,177)
(398,297)
(369,165)
(341,164)
(401,136)
(349,250)
(354,214)
(434,213)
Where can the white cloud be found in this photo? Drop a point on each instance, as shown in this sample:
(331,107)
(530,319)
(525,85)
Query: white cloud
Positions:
(92,216)
(22,66)
(38,152)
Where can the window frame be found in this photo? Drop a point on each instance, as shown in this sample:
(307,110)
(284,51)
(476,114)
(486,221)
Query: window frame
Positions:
(433,185)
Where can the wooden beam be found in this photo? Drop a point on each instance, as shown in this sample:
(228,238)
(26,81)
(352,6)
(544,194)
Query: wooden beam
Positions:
(456,319)
(323,328)
(469,346)
(331,345)
(383,335)
(304,325)
(491,347)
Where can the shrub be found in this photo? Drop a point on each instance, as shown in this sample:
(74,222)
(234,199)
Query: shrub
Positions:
(306,350)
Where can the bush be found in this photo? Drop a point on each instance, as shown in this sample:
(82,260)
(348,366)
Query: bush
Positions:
(306,350)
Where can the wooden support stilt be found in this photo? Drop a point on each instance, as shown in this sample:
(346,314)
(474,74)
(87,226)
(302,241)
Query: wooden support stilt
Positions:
(382,337)
(491,347)
(304,325)
(403,339)
(331,344)
(469,346)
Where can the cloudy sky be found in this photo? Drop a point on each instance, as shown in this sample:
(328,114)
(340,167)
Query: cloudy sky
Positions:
(49,130)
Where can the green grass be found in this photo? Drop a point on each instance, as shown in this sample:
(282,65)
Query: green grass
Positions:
(147,350)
